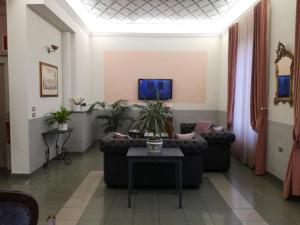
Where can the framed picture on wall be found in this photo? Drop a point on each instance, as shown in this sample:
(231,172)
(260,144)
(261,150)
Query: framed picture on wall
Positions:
(48,80)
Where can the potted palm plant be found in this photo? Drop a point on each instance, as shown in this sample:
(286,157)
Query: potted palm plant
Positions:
(153,117)
(113,114)
(61,117)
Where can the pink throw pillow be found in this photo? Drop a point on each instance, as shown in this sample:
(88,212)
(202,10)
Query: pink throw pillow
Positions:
(203,126)
(188,136)
(120,136)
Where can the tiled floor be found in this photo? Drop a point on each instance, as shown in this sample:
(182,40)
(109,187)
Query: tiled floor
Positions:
(78,196)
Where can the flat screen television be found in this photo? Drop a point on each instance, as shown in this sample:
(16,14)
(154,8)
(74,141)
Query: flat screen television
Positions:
(148,89)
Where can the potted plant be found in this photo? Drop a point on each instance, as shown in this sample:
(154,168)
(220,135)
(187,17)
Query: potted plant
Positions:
(61,117)
(113,114)
(153,117)
(78,104)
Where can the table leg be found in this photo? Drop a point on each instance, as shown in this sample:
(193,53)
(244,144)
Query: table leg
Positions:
(64,152)
(57,146)
(180,182)
(129,182)
(176,176)
(47,152)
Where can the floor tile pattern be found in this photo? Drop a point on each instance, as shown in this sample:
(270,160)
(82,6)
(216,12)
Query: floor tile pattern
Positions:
(237,203)
(76,194)
(204,206)
(73,209)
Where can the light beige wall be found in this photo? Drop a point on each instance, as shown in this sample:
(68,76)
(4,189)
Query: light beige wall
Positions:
(187,69)
(211,45)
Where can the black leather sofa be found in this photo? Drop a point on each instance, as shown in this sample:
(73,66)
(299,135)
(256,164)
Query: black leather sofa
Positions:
(151,174)
(217,155)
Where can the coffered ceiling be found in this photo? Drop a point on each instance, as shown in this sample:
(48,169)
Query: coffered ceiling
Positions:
(133,11)
(159,16)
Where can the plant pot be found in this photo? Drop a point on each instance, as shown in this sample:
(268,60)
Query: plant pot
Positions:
(82,108)
(77,108)
(62,126)
(154,145)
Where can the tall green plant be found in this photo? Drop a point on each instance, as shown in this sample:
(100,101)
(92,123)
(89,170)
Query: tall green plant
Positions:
(61,116)
(113,114)
(153,117)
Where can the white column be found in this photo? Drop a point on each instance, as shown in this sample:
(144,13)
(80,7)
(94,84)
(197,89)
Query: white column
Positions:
(18,85)
(67,68)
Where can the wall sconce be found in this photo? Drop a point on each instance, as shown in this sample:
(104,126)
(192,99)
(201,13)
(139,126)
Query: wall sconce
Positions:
(52,48)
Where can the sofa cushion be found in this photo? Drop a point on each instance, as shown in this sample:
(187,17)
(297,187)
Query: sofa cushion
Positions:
(203,126)
(217,137)
(14,213)
(120,136)
(218,128)
(188,136)
(223,137)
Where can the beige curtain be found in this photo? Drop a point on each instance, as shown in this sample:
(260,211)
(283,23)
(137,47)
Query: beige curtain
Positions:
(232,58)
(259,88)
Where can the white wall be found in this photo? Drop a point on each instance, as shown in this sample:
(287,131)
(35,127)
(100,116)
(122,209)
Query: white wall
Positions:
(223,81)
(40,35)
(81,79)
(281,117)
(283,17)
(18,77)
(141,43)
(29,35)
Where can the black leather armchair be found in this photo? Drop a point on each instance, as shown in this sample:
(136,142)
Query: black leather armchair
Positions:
(217,156)
(18,208)
(151,175)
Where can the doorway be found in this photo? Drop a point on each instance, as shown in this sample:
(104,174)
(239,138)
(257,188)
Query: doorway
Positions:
(4,125)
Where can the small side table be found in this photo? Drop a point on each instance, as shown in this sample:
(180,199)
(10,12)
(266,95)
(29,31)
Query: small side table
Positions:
(167,155)
(61,152)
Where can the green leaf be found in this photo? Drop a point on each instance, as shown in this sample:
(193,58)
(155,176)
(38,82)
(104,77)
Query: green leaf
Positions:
(61,116)
(113,114)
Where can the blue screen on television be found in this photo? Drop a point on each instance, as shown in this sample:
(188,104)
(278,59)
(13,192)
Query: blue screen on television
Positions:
(148,89)
(284,85)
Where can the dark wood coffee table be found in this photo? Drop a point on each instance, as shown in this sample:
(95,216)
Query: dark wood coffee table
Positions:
(167,155)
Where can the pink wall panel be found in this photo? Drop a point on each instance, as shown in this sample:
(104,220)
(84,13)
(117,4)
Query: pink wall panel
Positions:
(188,69)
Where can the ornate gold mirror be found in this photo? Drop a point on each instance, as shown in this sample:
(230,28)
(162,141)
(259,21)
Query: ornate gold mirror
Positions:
(284,75)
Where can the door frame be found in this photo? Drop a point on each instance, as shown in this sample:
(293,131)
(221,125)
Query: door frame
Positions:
(4,61)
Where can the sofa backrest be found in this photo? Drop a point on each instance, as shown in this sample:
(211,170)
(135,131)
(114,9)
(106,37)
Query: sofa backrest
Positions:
(18,208)
(186,128)
(219,137)
(111,145)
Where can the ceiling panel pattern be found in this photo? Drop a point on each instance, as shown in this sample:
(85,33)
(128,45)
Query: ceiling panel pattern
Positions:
(131,11)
